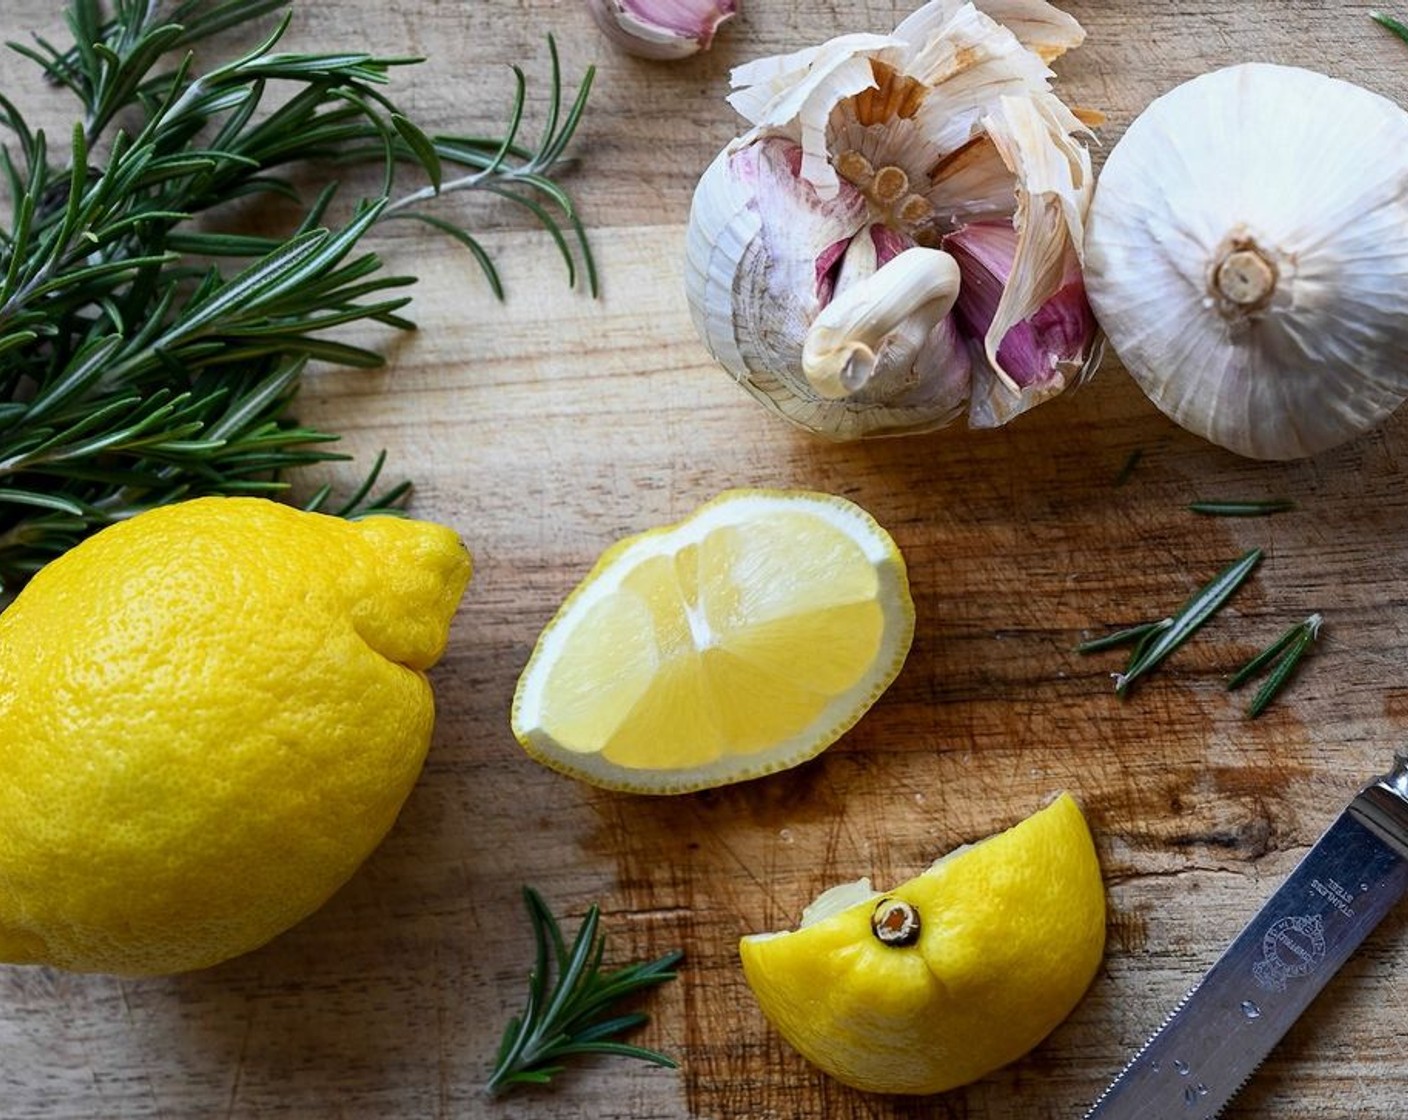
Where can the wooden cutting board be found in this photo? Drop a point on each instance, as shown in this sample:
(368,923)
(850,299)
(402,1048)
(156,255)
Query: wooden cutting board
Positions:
(546,427)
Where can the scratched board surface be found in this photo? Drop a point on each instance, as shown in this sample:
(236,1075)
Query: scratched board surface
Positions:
(550,425)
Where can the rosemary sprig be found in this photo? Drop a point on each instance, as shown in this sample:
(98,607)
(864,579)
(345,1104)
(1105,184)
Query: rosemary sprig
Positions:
(1290,647)
(575,1013)
(1242,509)
(1204,603)
(1197,610)
(133,370)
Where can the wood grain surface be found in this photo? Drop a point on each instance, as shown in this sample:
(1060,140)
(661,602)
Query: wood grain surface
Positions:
(548,426)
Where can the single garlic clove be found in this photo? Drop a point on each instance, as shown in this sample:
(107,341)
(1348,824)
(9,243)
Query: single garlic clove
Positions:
(662,29)
(1038,355)
(1247,256)
(879,323)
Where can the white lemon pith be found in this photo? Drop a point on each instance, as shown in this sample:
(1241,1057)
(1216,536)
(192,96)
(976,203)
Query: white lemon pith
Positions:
(745,639)
(1007,936)
(210,714)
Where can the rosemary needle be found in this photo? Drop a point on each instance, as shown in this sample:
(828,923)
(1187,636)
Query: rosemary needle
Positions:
(1282,672)
(1129,636)
(1197,610)
(1396,26)
(1128,468)
(1265,657)
(577,1014)
(1142,646)
(1290,647)
(1242,509)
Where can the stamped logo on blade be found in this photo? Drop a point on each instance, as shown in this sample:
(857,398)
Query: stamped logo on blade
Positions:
(1291,947)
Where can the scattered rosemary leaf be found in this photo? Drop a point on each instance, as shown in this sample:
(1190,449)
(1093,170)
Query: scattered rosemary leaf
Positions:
(1142,646)
(1129,465)
(1278,676)
(1290,647)
(1197,610)
(576,1014)
(1396,26)
(1242,509)
(1128,636)
(1265,657)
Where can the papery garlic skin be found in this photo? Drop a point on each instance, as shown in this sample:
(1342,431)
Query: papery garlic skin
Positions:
(863,150)
(662,29)
(1247,257)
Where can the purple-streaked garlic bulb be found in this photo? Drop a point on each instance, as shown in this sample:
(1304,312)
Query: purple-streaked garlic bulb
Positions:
(662,29)
(896,242)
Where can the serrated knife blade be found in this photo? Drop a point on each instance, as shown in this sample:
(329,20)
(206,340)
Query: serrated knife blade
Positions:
(1230,1020)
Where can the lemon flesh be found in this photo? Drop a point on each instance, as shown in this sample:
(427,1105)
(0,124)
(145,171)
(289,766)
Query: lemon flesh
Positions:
(1011,932)
(742,640)
(210,714)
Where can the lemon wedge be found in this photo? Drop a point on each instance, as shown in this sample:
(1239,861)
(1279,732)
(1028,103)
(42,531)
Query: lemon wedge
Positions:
(953,974)
(743,640)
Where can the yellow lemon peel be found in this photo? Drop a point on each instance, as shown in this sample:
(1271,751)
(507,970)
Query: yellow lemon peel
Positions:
(210,714)
(1007,935)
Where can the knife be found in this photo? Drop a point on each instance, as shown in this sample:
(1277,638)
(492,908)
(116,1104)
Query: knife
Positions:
(1229,1021)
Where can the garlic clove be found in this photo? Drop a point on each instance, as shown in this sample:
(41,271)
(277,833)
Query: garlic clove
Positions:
(662,29)
(763,255)
(1035,138)
(1036,355)
(879,323)
(1247,255)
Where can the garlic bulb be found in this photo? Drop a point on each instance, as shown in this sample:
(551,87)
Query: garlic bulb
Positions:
(896,242)
(662,29)
(1247,257)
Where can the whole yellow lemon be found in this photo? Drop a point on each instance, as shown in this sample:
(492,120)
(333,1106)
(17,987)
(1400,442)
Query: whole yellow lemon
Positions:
(210,715)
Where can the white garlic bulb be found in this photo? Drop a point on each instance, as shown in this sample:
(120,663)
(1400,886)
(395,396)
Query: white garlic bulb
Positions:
(896,242)
(1247,257)
(662,29)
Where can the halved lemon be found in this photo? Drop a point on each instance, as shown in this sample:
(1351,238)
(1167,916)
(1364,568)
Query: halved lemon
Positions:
(743,640)
(953,974)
